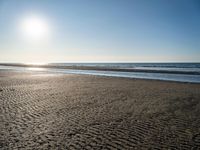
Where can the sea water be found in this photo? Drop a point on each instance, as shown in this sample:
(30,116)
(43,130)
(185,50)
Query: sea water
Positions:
(182,68)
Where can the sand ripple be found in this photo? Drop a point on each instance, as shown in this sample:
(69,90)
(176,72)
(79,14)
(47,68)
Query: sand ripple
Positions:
(88,112)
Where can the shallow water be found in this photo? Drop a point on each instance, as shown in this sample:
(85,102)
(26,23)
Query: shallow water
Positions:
(139,75)
(185,67)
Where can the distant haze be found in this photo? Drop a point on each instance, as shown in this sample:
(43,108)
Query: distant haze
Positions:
(99,31)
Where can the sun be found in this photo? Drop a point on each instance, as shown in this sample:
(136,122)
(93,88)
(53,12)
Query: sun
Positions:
(34,28)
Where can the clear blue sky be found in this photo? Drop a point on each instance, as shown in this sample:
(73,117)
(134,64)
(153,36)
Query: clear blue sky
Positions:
(103,31)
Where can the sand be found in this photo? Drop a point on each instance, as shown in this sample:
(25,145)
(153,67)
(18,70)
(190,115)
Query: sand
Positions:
(54,111)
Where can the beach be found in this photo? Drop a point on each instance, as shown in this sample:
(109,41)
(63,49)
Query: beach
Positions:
(71,111)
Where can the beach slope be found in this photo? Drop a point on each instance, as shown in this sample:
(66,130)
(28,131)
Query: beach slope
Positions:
(54,111)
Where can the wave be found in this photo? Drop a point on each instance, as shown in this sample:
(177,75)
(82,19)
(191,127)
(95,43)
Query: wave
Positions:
(193,77)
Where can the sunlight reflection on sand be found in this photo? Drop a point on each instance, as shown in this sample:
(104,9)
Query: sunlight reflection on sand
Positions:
(36,69)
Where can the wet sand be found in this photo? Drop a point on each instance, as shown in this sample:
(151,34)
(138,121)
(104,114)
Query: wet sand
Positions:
(54,111)
(100,68)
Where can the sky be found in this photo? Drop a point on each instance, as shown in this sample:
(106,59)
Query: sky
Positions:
(101,31)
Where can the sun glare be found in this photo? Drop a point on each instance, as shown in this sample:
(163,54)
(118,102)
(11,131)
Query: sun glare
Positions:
(34,28)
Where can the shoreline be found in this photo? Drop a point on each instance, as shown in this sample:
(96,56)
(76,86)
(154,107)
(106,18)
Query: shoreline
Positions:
(101,76)
(186,78)
(100,68)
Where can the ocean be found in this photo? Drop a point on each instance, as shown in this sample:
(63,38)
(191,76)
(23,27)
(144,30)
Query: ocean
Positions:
(187,67)
(181,72)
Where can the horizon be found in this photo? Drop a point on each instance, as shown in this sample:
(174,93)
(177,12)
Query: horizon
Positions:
(114,62)
(99,31)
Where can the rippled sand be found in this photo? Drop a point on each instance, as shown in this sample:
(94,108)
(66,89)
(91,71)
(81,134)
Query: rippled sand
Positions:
(49,111)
